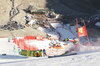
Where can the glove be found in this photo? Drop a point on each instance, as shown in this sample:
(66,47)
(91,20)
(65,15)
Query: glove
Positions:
(66,39)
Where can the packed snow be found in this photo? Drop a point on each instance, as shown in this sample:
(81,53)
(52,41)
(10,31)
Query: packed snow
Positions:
(84,57)
(98,24)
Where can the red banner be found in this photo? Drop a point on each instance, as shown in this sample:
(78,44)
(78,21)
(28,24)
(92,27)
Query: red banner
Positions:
(82,31)
(20,42)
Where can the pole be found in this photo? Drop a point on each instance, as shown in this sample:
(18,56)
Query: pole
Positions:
(14,51)
(87,34)
(77,29)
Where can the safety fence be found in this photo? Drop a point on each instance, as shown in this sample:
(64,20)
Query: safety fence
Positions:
(30,53)
(55,51)
(22,44)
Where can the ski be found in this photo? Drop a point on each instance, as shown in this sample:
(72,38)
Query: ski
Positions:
(62,55)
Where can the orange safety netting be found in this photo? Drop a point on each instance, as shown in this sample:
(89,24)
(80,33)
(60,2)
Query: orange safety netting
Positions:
(39,38)
(30,37)
(20,42)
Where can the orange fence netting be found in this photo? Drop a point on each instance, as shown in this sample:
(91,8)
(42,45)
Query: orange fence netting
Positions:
(20,42)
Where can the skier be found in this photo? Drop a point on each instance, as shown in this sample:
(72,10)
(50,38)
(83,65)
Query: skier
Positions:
(37,53)
(8,39)
(75,42)
(44,52)
(52,44)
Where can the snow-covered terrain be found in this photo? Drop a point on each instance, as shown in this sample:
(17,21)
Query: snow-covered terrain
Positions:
(98,24)
(84,57)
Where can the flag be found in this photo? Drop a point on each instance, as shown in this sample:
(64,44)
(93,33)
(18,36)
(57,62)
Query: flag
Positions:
(16,50)
(82,31)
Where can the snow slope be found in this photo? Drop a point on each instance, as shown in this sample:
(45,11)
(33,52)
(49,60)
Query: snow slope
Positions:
(98,24)
(64,33)
(5,46)
(85,57)
(89,59)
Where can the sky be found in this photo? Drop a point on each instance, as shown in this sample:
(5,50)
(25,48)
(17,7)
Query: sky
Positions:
(84,57)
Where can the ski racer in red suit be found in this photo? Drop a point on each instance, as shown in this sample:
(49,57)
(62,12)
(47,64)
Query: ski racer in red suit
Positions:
(75,42)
